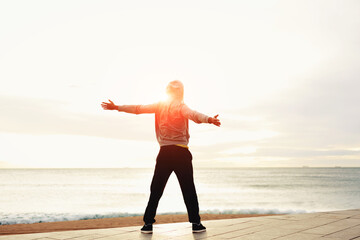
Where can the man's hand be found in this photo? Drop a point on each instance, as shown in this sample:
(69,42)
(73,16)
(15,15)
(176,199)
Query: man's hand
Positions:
(214,120)
(108,106)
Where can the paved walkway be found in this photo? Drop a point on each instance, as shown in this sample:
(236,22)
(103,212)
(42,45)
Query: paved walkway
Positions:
(339,225)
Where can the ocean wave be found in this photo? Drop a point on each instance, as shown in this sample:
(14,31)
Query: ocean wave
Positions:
(21,218)
(25,218)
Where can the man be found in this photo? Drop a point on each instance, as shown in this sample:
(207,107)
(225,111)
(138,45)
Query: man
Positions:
(172,133)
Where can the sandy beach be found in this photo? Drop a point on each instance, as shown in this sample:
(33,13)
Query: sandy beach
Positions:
(107,223)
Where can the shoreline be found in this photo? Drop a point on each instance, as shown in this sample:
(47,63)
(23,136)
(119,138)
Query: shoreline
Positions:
(109,223)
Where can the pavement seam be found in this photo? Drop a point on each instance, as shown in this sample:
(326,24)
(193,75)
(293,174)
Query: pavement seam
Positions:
(355,238)
(343,230)
(237,230)
(303,231)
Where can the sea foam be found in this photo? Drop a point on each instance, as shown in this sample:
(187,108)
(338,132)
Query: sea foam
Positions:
(36,217)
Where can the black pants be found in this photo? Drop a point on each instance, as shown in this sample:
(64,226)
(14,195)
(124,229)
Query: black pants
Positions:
(178,159)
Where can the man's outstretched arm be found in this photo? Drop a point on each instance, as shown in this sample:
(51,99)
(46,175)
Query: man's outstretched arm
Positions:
(135,109)
(199,117)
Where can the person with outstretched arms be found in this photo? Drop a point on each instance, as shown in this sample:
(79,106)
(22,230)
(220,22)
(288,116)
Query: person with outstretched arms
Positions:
(172,132)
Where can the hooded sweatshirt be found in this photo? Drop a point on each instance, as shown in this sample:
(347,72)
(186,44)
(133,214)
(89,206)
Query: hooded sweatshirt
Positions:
(171,120)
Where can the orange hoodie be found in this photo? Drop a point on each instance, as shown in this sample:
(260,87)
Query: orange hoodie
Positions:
(171,120)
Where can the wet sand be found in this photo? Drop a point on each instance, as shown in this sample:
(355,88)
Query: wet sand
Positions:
(107,223)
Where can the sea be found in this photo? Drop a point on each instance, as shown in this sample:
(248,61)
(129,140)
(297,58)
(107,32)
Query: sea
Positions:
(48,195)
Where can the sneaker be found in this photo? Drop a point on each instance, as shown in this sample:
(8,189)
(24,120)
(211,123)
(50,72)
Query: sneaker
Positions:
(198,227)
(147,228)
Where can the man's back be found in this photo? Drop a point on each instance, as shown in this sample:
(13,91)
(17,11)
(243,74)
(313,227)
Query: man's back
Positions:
(171,121)
(171,127)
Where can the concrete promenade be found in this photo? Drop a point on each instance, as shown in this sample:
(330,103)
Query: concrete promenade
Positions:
(338,225)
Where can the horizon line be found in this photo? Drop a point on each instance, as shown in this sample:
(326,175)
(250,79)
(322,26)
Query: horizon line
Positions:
(18,168)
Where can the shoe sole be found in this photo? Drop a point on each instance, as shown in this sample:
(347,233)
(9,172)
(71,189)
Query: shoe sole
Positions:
(146,232)
(198,231)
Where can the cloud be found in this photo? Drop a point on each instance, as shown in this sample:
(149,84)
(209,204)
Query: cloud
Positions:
(6,165)
(63,151)
(316,121)
(298,153)
(42,116)
(322,110)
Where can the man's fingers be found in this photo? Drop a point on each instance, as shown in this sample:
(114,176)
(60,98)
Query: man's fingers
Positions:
(105,105)
(217,121)
(108,106)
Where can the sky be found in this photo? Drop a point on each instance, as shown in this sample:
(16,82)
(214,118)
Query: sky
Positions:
(282,75)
